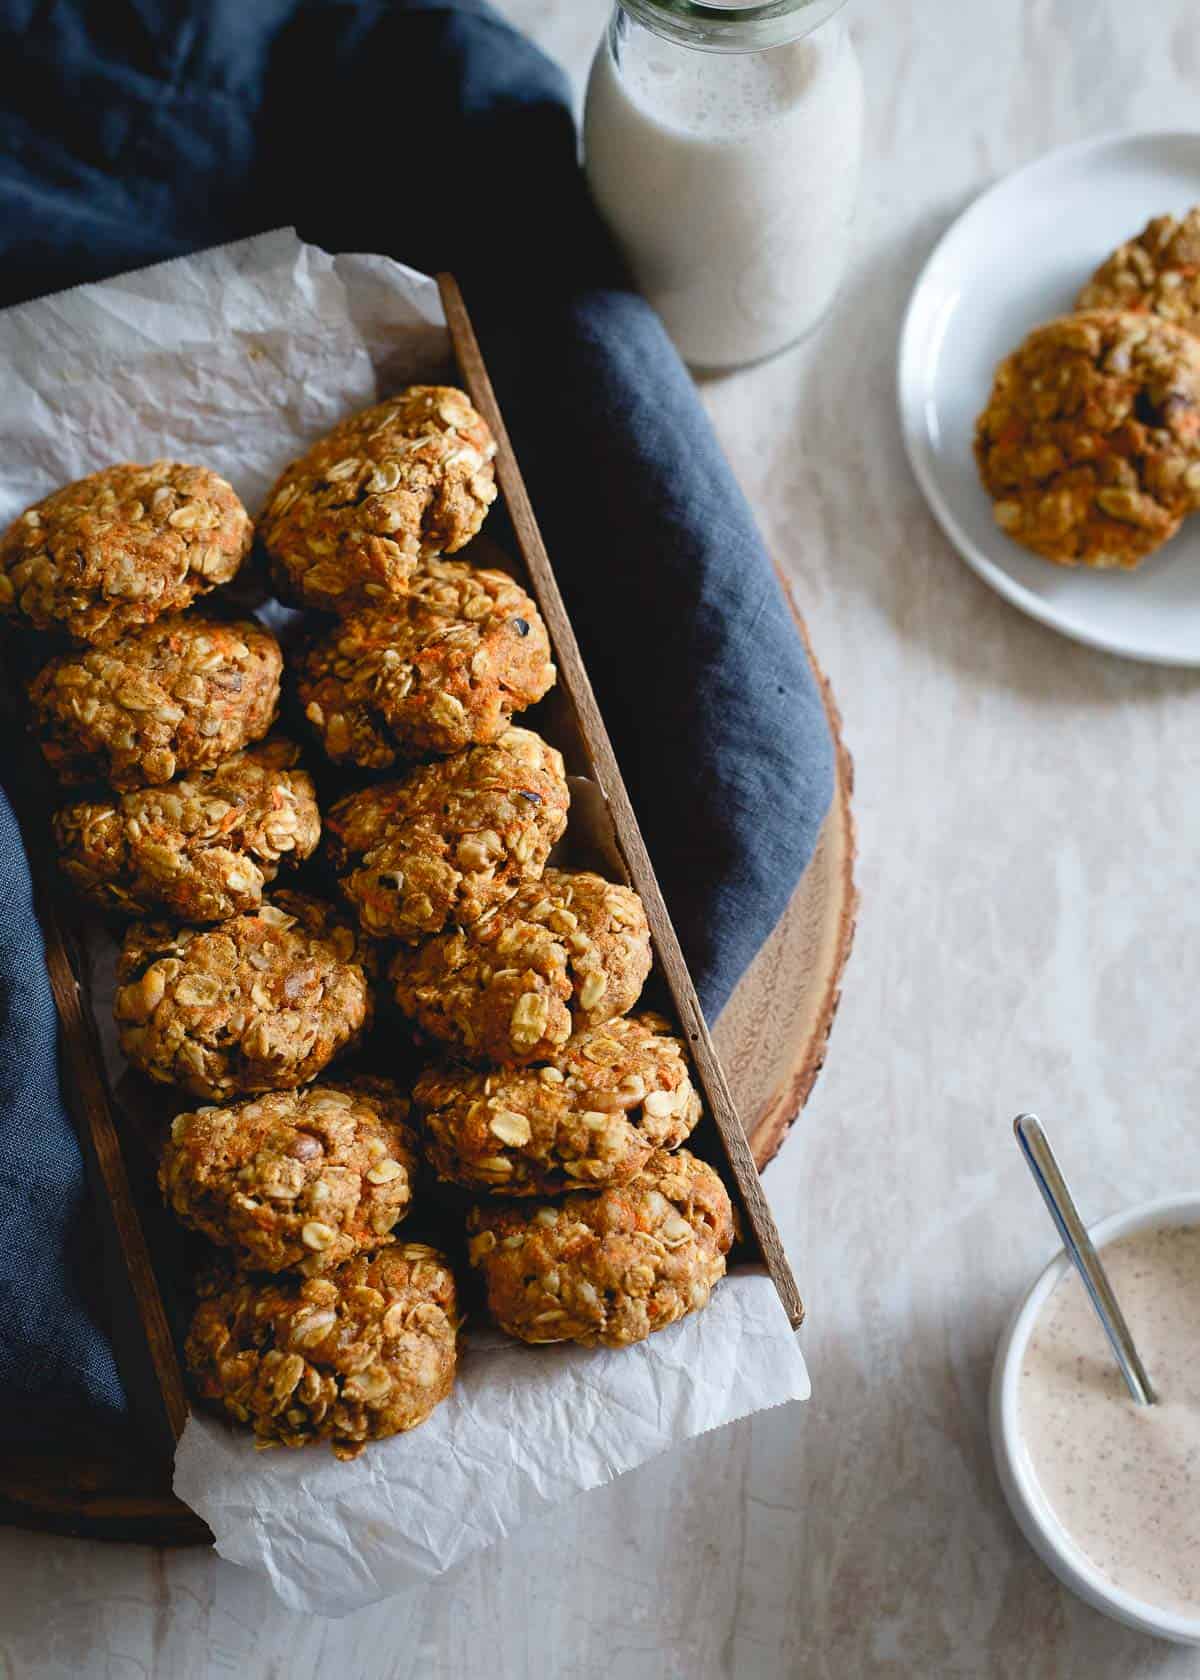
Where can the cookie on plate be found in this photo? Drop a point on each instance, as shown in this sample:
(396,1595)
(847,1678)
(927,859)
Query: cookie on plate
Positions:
(593,1115)
(451,839)
(352,1356)
(1090,443)
(1159,271)
(438,669)
(295,1180)
(261,1002)
(201,847)
(608,1266)
(566,952)
(120,548)
(348,523)
(183,694)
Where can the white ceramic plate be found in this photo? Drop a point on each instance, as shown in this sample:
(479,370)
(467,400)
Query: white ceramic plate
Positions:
(1016,257)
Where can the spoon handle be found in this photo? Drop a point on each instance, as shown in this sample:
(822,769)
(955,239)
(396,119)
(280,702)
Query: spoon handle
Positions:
(1048,1175)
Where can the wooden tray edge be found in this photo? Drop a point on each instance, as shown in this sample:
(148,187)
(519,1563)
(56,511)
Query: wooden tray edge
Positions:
(83,1496)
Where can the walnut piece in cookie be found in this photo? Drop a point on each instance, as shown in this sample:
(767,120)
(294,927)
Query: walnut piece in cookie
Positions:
(593,1115)
(566,952)
(451,839)
(348,523)
(1159,271)
(261,1002)
(120,548)
(608,1266)
(201,847)
(1090,443)
(359,1353)
(441,668)
(183,694)
(295,1180)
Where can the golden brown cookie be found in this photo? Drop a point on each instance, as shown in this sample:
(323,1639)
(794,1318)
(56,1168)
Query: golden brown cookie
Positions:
(610,1266)
(360,1353)
(348,523)
(566,952)
(1158,272)
(261,1002)
(295,1180)
(441,668)
(183,694)
(201,847)
(451,839)
(1090,442)
(593,1115)
(118,549)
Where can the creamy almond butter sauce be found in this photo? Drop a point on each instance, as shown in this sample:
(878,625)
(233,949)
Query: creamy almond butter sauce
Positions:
(1123,1479)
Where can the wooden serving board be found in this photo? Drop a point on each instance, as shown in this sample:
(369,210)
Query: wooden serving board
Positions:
(773,1034)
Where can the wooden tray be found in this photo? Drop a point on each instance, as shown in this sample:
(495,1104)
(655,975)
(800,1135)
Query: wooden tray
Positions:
(125,1494)
(771,1038)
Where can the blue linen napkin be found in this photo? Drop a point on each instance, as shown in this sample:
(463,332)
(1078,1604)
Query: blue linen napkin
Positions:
(436,133)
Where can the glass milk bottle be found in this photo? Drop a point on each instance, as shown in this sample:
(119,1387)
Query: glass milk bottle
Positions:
(722,146)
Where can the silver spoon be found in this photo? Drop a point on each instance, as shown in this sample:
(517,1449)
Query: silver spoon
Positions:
(1049,1179)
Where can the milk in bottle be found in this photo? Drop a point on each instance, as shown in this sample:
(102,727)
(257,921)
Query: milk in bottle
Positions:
(723,149)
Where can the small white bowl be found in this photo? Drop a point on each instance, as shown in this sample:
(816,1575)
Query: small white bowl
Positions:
(1029,1504)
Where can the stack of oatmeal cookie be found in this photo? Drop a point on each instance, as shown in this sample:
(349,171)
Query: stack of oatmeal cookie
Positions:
(552,1103)
(1090,443)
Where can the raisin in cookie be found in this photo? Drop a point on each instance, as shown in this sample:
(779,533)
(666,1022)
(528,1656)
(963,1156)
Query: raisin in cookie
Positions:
(347,524)
(120,548)
(1090,443)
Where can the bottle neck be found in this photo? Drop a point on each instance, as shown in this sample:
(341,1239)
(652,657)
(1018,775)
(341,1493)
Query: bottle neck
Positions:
(729,26)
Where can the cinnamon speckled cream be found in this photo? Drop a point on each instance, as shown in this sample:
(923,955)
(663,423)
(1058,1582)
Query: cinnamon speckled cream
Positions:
(1124,1479)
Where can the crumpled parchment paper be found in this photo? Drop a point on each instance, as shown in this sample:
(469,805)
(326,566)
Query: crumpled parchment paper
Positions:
(236,358)
(524,1429)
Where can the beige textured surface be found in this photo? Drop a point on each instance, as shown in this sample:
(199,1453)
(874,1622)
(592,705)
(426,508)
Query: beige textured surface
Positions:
(1027,937)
